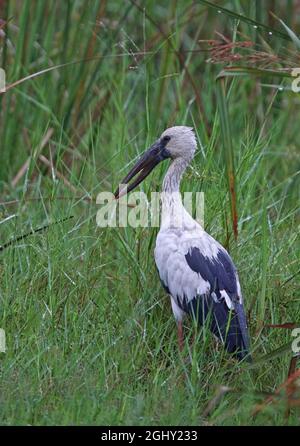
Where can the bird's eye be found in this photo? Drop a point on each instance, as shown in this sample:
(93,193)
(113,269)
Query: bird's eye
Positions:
(166,138)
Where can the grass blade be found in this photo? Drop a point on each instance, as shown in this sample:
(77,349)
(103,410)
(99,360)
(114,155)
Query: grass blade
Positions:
(247,20)
(290,32)
(228,150)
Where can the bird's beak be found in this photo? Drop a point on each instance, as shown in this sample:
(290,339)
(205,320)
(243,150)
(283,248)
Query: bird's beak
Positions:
(151,158)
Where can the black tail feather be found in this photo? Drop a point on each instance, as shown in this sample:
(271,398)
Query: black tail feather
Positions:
(228,325)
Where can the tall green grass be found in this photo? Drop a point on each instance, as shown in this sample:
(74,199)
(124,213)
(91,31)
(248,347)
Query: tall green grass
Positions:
(90,332)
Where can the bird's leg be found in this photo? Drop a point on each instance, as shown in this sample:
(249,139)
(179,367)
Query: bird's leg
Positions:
(180,335)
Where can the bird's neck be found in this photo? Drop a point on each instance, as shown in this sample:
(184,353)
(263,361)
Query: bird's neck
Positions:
(171,183)
(173,212)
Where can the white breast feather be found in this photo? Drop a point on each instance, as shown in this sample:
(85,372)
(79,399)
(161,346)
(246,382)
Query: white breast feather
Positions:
(171,248)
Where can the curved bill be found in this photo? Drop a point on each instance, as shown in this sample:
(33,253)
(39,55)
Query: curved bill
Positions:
(151,158)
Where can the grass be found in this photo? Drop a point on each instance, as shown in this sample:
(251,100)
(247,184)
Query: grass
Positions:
(90,333)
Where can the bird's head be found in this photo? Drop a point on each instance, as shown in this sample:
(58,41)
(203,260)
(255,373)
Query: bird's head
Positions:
(180,142)
(174,142)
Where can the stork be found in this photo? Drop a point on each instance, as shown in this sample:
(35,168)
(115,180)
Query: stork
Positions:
(195,270)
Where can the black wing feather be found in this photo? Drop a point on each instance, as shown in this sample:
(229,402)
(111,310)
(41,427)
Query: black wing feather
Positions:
(228,325)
